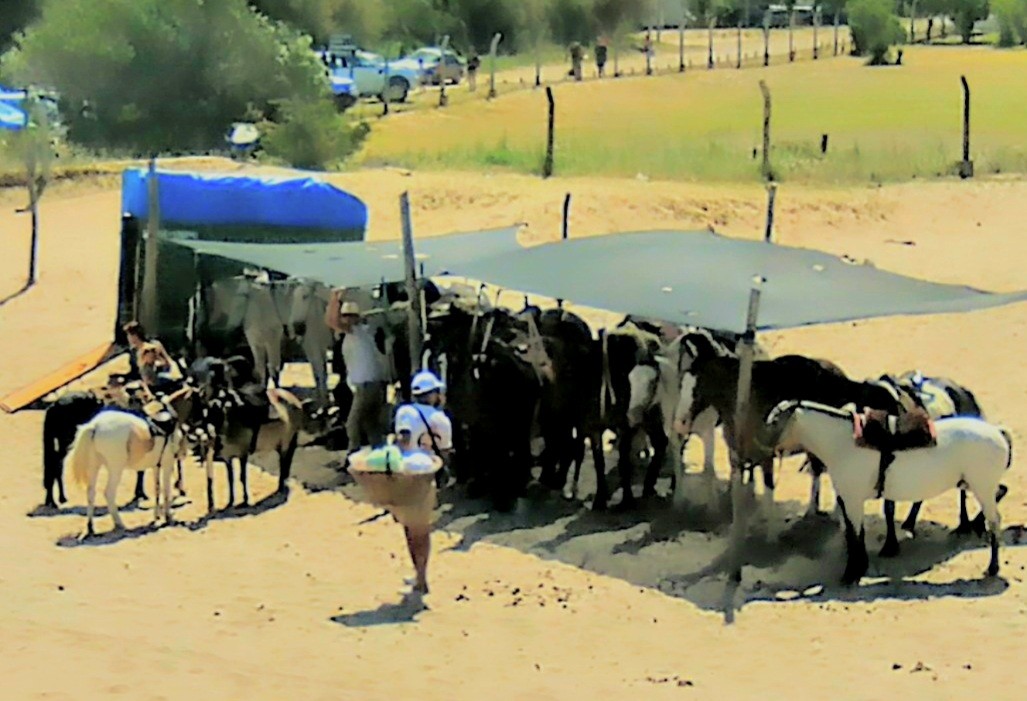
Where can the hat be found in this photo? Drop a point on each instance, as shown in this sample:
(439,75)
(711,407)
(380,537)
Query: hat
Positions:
(426,381)
(350,309)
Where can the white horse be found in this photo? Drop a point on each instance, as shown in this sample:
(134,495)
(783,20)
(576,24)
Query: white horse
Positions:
(659,384)
(970,454)
(261,307)
(122,441)
(309,300)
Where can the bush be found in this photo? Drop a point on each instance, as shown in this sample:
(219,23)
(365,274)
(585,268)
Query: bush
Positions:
(311,135)
(163,75)
(1012,21)
(875,29)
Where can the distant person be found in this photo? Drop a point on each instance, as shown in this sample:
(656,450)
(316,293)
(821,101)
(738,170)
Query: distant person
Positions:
(473,63)
(601,50)
(148,360)
(577,54)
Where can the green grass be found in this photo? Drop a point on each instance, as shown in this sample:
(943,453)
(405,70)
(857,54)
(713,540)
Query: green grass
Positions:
(884,124)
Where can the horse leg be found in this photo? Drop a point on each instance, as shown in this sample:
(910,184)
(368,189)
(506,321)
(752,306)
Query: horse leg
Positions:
(965,527)
(285,463)
(111,493)
(319,366)
(91,500)
(167,469)
(978,524)
(140,490)
(705,428)
(180,480)
(678,467)
(659,442)
(767,503)
(909,525)
(208,465)
(242,479)
(816,469)
(231,482)
(857,562)
(599,462)
(891,541)
(989,507)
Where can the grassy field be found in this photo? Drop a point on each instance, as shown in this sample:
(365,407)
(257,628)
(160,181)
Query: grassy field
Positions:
(884,124)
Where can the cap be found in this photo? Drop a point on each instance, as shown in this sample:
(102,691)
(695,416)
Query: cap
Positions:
(426,381)
(350,309)
(405,422)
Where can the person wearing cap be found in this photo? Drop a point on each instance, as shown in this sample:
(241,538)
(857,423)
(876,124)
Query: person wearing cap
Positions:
(422,427)
(366,373)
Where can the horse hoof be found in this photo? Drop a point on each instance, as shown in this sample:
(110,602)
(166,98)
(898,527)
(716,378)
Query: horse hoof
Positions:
(890,549)
(64,499)
(569,495)
(992,571)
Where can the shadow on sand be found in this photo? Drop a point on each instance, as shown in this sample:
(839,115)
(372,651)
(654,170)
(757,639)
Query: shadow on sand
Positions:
(405,611)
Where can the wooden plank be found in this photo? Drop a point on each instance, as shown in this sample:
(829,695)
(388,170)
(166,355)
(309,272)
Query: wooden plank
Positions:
(21,398)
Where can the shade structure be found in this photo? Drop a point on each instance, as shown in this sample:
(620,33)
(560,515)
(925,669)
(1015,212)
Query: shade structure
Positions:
(701,278)
(362,263)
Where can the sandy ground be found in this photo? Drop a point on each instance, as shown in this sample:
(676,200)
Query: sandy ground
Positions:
(299,597)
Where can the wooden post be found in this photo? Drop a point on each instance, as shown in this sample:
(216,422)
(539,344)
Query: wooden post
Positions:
(966,167)
(566,231)
(739,507)
(709,54)
(738,64)
(538,63)
(443,98)
(148,307)
(768,234)
(816,29)
(767,173)
(547,165)
(912,25)
(681,43)
(649,52)
(616,55)
(766,38)
(492,64)
(791,35)
(416,333)
(837,23)
(385,87)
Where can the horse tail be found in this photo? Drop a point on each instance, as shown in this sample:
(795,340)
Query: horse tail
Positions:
(1009,442)
(51,453)
(80,455)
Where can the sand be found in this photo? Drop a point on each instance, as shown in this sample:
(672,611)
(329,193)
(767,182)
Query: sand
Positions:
(298,597)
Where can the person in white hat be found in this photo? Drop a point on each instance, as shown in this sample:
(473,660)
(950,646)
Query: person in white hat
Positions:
(366,373)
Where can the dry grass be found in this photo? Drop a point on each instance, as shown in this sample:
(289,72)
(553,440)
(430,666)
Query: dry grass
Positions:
(885,124)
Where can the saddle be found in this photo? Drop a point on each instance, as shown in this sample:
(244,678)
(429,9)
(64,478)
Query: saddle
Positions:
(876,430)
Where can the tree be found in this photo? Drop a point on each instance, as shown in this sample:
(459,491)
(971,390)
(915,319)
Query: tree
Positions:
(965,13)
(162,75)
(33,147)
(322,18)
(1012,21)
(16,15)
(875,29)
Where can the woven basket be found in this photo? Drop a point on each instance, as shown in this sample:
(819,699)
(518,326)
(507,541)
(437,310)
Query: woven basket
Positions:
(403,489)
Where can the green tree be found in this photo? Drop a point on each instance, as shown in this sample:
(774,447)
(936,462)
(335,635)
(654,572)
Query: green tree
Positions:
(965,13)
(1012,21)
(875,29)
(14,17)
(160,75)
(311,135)
(321,18)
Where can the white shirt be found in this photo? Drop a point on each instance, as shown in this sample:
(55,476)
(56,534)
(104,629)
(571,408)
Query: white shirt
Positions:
(437,420)
(364,363)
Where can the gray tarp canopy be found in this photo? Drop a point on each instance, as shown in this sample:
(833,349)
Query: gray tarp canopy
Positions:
(361,263)
(693,278)
(703,279)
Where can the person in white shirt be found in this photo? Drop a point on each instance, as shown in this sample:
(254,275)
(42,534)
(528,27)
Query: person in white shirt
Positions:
(422,426)
(366,373)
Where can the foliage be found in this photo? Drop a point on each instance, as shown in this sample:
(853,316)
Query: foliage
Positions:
(965,13)
(15,16)
(875,29)
(161,75)
(1012,20)
(311,134)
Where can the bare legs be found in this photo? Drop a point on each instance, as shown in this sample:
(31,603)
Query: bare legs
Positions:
(419,545)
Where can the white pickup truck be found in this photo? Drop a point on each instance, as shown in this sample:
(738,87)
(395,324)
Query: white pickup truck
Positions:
(372,75)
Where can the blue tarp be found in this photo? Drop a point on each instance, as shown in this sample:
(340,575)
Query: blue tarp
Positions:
(11,117)
(197,199)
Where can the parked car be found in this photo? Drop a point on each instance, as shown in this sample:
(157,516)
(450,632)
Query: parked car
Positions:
(435,69)
(371,75)
(344,91)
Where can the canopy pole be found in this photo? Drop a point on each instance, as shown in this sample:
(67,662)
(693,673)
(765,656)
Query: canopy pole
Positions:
(416,333)
(149,298)
(739,505)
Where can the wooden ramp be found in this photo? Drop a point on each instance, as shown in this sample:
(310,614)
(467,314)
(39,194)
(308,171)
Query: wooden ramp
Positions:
(21,398)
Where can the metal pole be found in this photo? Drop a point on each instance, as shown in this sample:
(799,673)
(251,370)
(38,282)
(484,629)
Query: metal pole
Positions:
(410,263)
(149,300)
(566,216)
(966,168)
(766,130)
(771,196)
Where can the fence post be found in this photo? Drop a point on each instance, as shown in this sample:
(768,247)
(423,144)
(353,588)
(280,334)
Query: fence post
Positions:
(837,22)
(766,38)
(443,99)
(791,35)
(565,231)
(709,56)
(739,63)
(966,167)
(538,63)
(768,233)
(492,64)
(816,29)
(148,308)
(410,264)
(547,165)
(681,44)
(767,172)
